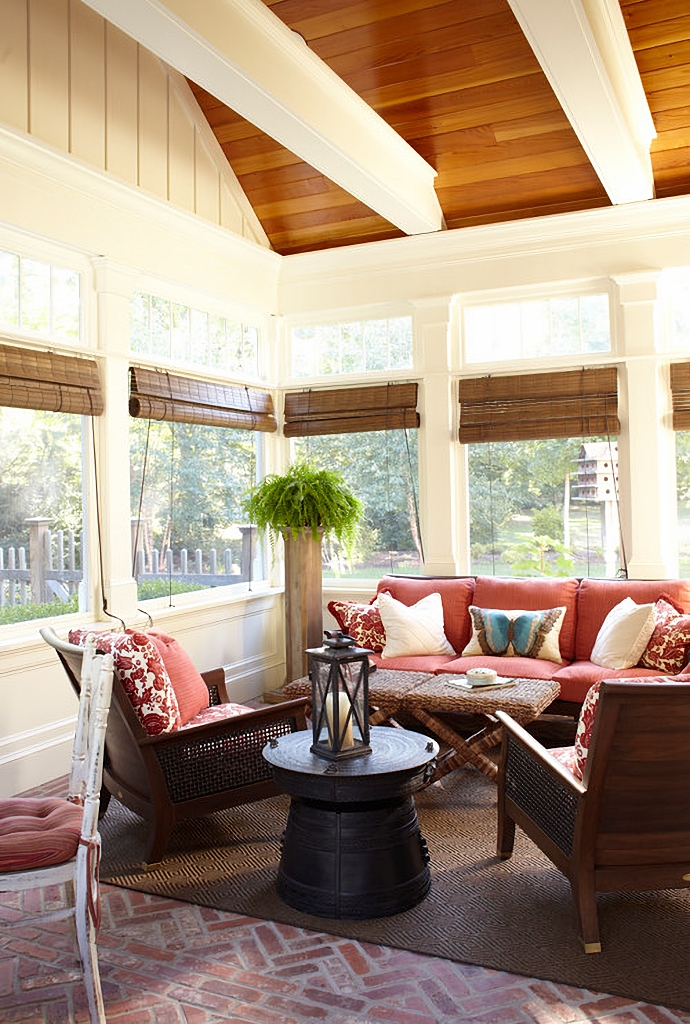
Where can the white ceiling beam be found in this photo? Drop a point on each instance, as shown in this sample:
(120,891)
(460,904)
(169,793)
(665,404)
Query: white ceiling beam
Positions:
(241,53)
(584,50)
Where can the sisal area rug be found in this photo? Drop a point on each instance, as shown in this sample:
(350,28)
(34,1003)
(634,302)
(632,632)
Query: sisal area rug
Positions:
(515,915)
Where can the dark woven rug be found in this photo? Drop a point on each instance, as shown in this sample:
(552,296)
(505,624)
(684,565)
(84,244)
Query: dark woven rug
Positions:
(515,915)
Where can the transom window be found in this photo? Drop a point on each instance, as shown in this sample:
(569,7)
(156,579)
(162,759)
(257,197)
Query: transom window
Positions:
(355,346)
(537,328)
(192,337)
(38,298)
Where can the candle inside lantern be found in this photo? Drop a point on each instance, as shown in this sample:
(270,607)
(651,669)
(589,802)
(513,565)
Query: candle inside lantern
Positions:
(343,709)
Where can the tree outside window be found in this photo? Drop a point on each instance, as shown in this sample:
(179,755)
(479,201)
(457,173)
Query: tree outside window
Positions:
(41,514)
(381,469)
(188,527)
(529,515)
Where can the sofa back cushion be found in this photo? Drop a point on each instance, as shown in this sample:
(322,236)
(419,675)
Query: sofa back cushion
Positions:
(596,598)
(456,598)
(533,594)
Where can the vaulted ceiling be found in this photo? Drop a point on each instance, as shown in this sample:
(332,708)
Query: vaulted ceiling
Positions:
(348,121)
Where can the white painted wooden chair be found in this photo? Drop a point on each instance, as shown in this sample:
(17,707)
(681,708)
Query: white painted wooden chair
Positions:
(53,841)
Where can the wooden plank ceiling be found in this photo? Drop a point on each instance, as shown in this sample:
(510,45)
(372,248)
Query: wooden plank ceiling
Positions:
(460,83)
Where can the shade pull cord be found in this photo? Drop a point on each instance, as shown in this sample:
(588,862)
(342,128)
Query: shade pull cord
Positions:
(104,602)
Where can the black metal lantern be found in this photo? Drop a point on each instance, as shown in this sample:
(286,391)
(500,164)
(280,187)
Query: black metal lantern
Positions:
(339,673)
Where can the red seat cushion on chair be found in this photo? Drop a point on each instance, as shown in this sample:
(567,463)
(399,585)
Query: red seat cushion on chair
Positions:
(35,833)
(217,713)
(190,689)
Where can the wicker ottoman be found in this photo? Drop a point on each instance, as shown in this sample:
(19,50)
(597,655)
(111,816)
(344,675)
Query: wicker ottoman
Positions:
(523,699)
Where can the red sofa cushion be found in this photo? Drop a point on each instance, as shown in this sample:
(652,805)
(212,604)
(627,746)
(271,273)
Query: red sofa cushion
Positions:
(532,594)
(596,598)
(516,668)
(190,689)
(456,597)
(576,679)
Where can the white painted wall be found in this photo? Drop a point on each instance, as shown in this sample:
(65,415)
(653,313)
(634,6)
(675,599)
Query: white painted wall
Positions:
(97,199)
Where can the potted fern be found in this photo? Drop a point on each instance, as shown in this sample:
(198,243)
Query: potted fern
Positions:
(303,505)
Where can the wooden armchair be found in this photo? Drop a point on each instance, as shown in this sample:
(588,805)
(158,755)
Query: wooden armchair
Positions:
(626,825)
(191,772)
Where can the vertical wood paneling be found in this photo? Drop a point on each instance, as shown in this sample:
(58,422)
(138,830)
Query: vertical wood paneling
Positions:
(180,155)
(87,84)
(121,107)
(14,72)
(49,71)
(230,213)
(206,186)
(153,124)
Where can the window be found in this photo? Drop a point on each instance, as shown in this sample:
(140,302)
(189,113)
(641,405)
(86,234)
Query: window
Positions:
(189,337)
(358,346)
(37,298)
(544,507)
(381,469)
(543,494)
(537,328)
(189,530)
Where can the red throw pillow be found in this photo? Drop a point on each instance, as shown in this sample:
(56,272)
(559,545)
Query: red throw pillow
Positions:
(360,621)
(668,645)
(190,689)
(142,673)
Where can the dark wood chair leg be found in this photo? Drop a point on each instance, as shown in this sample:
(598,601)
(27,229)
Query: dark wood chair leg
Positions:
(505,840)
(585,900)
(161,828)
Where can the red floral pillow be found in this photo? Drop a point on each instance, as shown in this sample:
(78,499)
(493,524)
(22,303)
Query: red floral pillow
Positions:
(668,645)
(141,671)
(584,729)
(360,621)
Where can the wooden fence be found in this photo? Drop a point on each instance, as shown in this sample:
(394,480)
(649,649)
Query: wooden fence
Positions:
(53,568)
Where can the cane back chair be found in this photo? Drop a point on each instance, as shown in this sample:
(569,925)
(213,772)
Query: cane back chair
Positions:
(185,774)
(626,825)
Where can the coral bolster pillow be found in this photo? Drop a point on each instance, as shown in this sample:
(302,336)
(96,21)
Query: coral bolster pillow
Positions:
(190,689)
(623,635)
(516,633)
(360,621)
(412,630)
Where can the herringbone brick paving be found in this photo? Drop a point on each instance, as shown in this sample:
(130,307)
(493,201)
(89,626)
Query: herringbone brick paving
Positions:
(166,962)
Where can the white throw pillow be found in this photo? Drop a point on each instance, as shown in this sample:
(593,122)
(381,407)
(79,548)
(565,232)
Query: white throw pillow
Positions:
(413,630)
(624,635)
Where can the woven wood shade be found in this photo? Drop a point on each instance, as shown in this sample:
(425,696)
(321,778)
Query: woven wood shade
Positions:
(350,410)
(163,396)
(570,403)
(680,393)
(45,380)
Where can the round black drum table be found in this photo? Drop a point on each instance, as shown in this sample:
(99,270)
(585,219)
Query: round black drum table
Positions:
(352,847)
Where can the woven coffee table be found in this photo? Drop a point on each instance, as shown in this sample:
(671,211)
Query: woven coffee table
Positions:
(523,699)
(388,691)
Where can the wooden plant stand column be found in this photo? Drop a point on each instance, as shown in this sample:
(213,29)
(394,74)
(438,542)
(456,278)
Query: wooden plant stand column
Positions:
(524,700)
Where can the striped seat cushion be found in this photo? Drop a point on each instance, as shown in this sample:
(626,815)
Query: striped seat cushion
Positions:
(37,832)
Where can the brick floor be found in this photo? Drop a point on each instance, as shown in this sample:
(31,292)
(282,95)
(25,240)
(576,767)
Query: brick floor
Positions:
(166,962)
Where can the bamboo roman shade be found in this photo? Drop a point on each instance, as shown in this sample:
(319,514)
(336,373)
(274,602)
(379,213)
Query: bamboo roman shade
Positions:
(532,406)
(350,410)
(157,395)
(30,379)
(680,394)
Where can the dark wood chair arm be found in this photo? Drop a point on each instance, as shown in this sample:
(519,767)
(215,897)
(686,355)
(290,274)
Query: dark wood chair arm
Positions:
(541,754)
(215,681)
